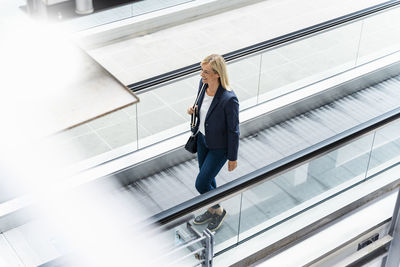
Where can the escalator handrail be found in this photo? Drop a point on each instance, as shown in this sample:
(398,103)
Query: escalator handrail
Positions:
(134,87)
(268,172)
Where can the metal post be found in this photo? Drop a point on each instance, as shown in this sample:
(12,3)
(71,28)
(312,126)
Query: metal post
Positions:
(198,235)
(393,257)
(83,7)
(208,244)
(36,8)
(209,248)
(191,229)
(395,214)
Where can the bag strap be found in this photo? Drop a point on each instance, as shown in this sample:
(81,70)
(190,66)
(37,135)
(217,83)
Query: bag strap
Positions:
(198,95)
(193,117)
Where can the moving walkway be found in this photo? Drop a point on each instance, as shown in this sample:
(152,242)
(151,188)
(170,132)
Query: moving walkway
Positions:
(174,185)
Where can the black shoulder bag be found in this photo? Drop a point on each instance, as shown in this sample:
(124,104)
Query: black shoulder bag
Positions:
(191,144)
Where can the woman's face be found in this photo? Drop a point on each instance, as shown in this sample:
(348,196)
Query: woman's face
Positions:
(208,75)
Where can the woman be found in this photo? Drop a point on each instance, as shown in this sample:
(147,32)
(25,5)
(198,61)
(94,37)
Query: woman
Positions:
(218,136)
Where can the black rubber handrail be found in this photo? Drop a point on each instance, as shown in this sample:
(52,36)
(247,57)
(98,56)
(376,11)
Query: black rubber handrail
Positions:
(268,172)
(264,45)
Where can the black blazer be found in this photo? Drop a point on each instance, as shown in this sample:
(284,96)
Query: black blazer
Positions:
(221,122)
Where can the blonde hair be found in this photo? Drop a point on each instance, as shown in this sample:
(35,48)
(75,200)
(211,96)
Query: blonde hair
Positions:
(218,65)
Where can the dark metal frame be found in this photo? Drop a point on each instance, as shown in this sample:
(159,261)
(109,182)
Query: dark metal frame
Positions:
(175,74)
(393,257)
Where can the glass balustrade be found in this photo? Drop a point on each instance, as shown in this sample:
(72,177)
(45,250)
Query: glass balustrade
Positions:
(162,110)
(386,149)
(303,62)
(379,36)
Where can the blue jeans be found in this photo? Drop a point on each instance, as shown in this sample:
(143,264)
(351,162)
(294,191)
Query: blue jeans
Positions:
(210,163)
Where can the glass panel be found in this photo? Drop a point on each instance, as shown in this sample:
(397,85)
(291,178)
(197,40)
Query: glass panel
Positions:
(302,62)
(99,136)
(227,234)
(293,191)
(244,79)
(380,35)
(260,205)
(118,128)
(81,142)
(343,167)
(162,111)
(386,150)
(173,239)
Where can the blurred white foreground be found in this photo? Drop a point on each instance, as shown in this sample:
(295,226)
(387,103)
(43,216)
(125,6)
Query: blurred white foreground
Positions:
(98,228)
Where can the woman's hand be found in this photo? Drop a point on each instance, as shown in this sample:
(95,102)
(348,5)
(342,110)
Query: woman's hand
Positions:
(191,110)
(232,165)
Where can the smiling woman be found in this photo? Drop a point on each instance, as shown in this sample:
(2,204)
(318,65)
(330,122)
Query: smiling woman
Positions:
(217,131)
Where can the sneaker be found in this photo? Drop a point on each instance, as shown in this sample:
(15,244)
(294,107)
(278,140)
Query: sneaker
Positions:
(203,218)
(216,221)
